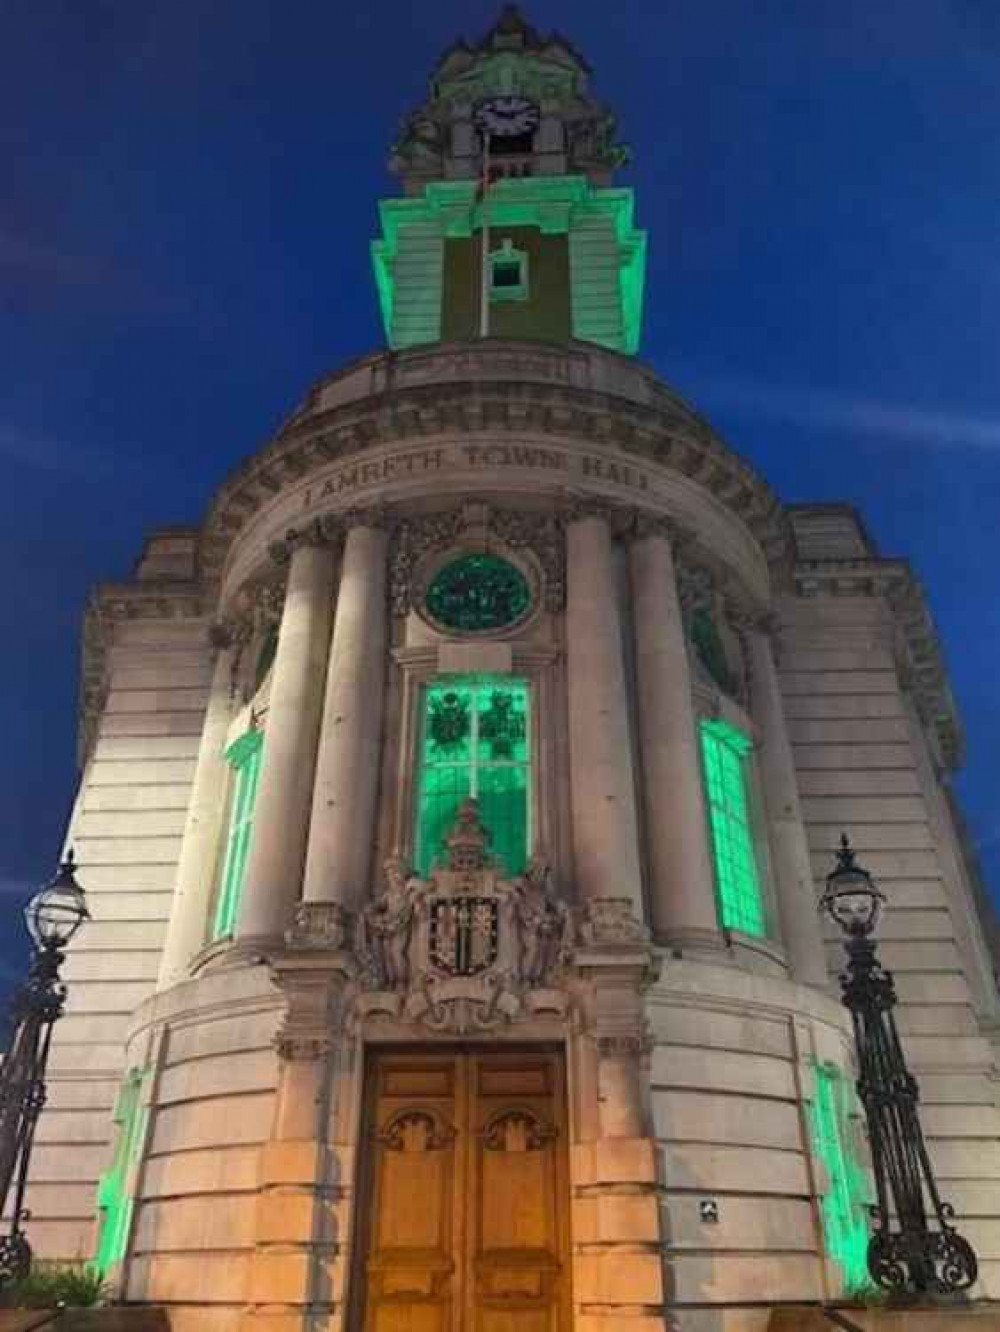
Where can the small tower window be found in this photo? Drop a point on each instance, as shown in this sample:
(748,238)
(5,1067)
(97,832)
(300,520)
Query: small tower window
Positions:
(244,756)
(508,273)
(741,903)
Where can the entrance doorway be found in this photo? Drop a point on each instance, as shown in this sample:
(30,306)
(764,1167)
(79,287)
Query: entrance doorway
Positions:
(464,1194)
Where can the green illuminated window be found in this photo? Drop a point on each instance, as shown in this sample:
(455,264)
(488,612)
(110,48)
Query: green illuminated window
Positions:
(244,755)
(845,1203)
(508,274)
(724,751)
(116,1189)
(474,741)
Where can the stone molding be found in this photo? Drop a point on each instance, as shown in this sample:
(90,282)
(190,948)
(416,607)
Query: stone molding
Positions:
(921,662)
(499,388)
(112,603)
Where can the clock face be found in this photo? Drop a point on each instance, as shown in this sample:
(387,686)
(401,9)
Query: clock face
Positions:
(504,117)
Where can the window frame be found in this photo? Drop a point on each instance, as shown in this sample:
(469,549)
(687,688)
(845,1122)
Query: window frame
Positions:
(509,254)
(245,757)
(473,765)
(548,808)
(744,744)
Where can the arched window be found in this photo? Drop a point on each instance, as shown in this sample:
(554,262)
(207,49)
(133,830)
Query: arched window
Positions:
(475,740)
(725,752)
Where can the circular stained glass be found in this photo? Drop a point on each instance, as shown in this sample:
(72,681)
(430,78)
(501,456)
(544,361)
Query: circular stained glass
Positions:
(478,592)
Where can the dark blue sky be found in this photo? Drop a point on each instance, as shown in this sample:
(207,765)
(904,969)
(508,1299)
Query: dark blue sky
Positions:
(189,191)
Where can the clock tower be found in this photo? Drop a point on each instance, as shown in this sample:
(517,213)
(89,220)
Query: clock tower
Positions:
(510,224)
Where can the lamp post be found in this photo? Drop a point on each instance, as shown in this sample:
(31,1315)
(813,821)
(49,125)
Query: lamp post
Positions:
(53,916)
(905,1255)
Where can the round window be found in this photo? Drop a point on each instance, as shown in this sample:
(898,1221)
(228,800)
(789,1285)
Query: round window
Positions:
(478,592)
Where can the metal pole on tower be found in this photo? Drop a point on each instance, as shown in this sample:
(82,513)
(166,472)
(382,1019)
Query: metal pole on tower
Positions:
(484,276)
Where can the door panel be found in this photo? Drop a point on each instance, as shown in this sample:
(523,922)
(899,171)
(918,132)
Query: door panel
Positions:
(467,1228)
(411,1265)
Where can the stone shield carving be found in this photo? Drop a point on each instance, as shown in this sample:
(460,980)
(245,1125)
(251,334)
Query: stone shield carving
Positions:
(466,949)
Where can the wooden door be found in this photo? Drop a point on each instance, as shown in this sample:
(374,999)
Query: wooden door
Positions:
(464,1209)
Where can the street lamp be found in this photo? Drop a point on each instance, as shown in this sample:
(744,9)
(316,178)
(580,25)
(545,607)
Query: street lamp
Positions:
(53,916)
(905,1256)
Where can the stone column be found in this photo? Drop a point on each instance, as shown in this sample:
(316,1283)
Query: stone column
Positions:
(796,892)
(682,881)
(602,787)
(281,817)
(347,771)
(195,881)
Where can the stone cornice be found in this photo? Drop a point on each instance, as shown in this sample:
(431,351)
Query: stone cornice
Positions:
(582,392)
(923,666)
(151,599)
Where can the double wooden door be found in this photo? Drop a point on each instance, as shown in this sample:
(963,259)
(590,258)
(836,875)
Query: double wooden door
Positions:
(464,1195)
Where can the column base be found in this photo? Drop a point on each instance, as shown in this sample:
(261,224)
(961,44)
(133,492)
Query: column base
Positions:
(682,942)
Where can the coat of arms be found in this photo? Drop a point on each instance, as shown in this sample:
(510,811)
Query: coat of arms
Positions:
(466,949)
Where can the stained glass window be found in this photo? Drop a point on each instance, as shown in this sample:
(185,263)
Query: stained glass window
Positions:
(474,741)
(845,1202)
(477,592)
(724,751)
(116,1189)
(244,756)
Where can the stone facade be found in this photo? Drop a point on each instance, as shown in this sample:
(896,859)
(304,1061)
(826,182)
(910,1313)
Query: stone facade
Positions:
(665,589)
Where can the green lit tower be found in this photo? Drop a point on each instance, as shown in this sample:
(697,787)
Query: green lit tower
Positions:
(564,259)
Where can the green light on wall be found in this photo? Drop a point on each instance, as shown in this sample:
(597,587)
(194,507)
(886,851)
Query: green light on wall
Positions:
(845,1203)
(724,752)
(244,755)
(607,252)
(116,1189)
(474,740)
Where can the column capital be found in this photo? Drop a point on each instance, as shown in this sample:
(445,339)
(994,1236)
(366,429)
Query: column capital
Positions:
(377,517)
(643,524)
(748,617)
(581,507)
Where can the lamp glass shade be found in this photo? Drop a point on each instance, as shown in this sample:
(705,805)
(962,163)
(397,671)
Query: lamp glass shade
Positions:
(57,910)
(851,897)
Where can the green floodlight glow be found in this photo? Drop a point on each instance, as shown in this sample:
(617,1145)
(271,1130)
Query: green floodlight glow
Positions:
(244,756)
(475,740)
(607,253)
(845,1203)
(116,1188)
(724,751)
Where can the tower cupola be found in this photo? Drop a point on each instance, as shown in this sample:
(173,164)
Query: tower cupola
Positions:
(510,224)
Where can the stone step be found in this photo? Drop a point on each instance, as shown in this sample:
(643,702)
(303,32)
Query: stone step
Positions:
(134,1318)
(978,1317)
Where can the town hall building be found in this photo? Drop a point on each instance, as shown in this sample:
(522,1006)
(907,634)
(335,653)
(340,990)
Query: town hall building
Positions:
(454,804)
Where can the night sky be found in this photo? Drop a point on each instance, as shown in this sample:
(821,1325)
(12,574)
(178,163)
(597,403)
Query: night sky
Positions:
(188,194)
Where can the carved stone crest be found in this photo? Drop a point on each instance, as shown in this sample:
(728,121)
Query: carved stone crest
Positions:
(466,949)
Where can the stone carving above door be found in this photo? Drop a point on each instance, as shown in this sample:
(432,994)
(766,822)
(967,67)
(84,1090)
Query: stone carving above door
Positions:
(465,949)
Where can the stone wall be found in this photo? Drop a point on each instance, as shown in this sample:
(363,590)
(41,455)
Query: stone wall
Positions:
(866,767)
(731,1068)
(126,833)
(196,1211)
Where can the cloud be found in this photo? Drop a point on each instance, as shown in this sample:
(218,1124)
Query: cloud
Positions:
(938,428)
